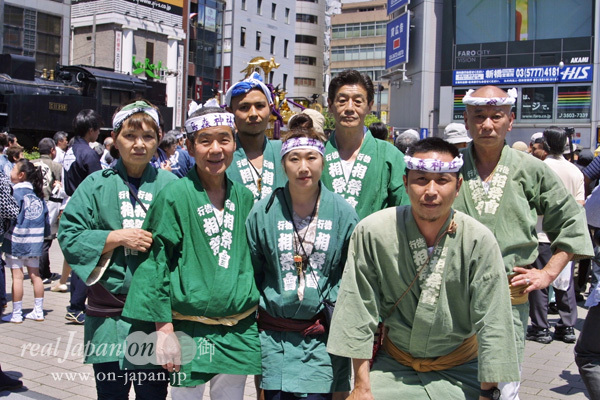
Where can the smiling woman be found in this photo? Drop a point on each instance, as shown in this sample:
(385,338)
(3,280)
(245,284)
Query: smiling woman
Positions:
(103,242)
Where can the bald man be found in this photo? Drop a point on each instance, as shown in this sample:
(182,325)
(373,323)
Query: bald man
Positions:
(505,190)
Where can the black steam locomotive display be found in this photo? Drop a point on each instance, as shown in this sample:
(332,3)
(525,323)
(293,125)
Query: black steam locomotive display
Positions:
(35,107)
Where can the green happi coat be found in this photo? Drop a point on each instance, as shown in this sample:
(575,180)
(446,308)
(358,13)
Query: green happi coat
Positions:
(291,362)
(462,291)
(199,267)
(376,178)
(521,188)
(272,173)
(101,204)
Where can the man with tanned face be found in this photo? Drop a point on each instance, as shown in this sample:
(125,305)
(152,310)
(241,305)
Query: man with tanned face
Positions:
(365,171)
(256,162)
(505,190)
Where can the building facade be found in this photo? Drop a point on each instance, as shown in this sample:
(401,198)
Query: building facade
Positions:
(309,49)
(37,29)
(358,36)
(257,28)
(546,50)
(145,39)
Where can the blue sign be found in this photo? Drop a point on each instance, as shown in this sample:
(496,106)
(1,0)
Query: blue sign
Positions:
(396,43)
(549,74)
(394,5)
(424,133)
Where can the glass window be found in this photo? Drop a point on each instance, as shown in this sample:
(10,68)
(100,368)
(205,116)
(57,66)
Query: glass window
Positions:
(285,47)
(243,37)
(287,15)
(574,102)
(338,32)
(244,5)
(305,60)
(308,18)
(258,36)
(306,39)
(272,44)
(259,7)
(273,11)
(537,102)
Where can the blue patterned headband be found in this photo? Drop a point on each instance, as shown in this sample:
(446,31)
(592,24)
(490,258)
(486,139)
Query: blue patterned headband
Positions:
(208,120)
(243,87)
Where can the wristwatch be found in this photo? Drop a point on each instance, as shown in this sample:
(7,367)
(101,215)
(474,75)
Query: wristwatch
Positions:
(493,393)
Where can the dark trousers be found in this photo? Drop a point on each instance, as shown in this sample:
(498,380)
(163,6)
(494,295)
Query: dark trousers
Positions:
(587,353)
(538,299)
(113,383)
(45,260)
(2,282)
(279,395)
(78,294)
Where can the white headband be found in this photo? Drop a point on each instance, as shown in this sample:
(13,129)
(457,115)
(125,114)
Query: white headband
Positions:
(193,106)
(302,143)
(209,120)
(490,101)
(128,111)
(431,165)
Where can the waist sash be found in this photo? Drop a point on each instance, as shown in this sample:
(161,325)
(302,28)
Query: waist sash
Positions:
(102,303)
(230,320)
(267,322)
(462,354)
(516,292)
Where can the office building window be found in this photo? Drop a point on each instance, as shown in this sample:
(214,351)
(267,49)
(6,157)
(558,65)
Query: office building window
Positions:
(243,37)
(259,7)
(272,44)
(305,82)
(308,39)
(284,81)
(287,15)
(308,18)
(285,47)
(271,75)
(258,36)
(244,5)
(305,60)
(273,11)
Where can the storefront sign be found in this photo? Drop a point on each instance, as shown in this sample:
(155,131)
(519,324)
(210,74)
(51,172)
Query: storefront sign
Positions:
(548,74)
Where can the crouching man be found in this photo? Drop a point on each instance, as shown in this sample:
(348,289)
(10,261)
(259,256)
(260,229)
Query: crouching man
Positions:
(436,279)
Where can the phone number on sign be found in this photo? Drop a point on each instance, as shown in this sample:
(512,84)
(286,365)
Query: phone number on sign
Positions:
(573,115)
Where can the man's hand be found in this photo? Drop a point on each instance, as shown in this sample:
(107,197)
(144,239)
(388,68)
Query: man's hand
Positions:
(132,238)
(361,394)
(531,279)
(534,279)
(362,383)
(168,350)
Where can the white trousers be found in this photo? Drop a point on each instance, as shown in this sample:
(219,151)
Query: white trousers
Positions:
(510,390)
(222,387)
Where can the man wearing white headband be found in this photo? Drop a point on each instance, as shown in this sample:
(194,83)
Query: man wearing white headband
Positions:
(367,172)
(505,190)
(256,162)
(198,278)
(435,277)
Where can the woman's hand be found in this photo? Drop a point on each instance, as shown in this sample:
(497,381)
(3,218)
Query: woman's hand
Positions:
(166,165)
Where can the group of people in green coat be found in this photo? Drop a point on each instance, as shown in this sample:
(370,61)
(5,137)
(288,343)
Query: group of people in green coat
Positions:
(234,269)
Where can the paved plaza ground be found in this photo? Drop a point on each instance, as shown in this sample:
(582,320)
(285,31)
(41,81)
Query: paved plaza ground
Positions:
(35,353)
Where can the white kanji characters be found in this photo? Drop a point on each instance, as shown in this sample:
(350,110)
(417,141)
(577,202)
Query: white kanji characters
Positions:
(268,165)
(499,180)
(224,259)
(285,241)
(289,281)
(226,240)
(339,185)
(317,260)
(491,207)
(208,209)
(280,225)
(322,241)
(123,195)
(267,178)
(149,197)
(287,262)
(242,163)
(215,243)
(127,210)
(253,189)
(211,226)
(246,175)
(335,169)
(128,223)
(359,171)
(228,220)
(354,187)
(200,211)
(230,205)
(416,244)
(267,190)
(325,224)
(139,213)
(352,201)
(420,256)
(332,156)
(495,193)
(139,223)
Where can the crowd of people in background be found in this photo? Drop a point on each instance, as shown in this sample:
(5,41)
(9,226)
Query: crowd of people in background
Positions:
(415,264)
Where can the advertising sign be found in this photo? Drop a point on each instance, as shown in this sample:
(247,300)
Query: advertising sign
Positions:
(393,5)
(548,74)
(396,44)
